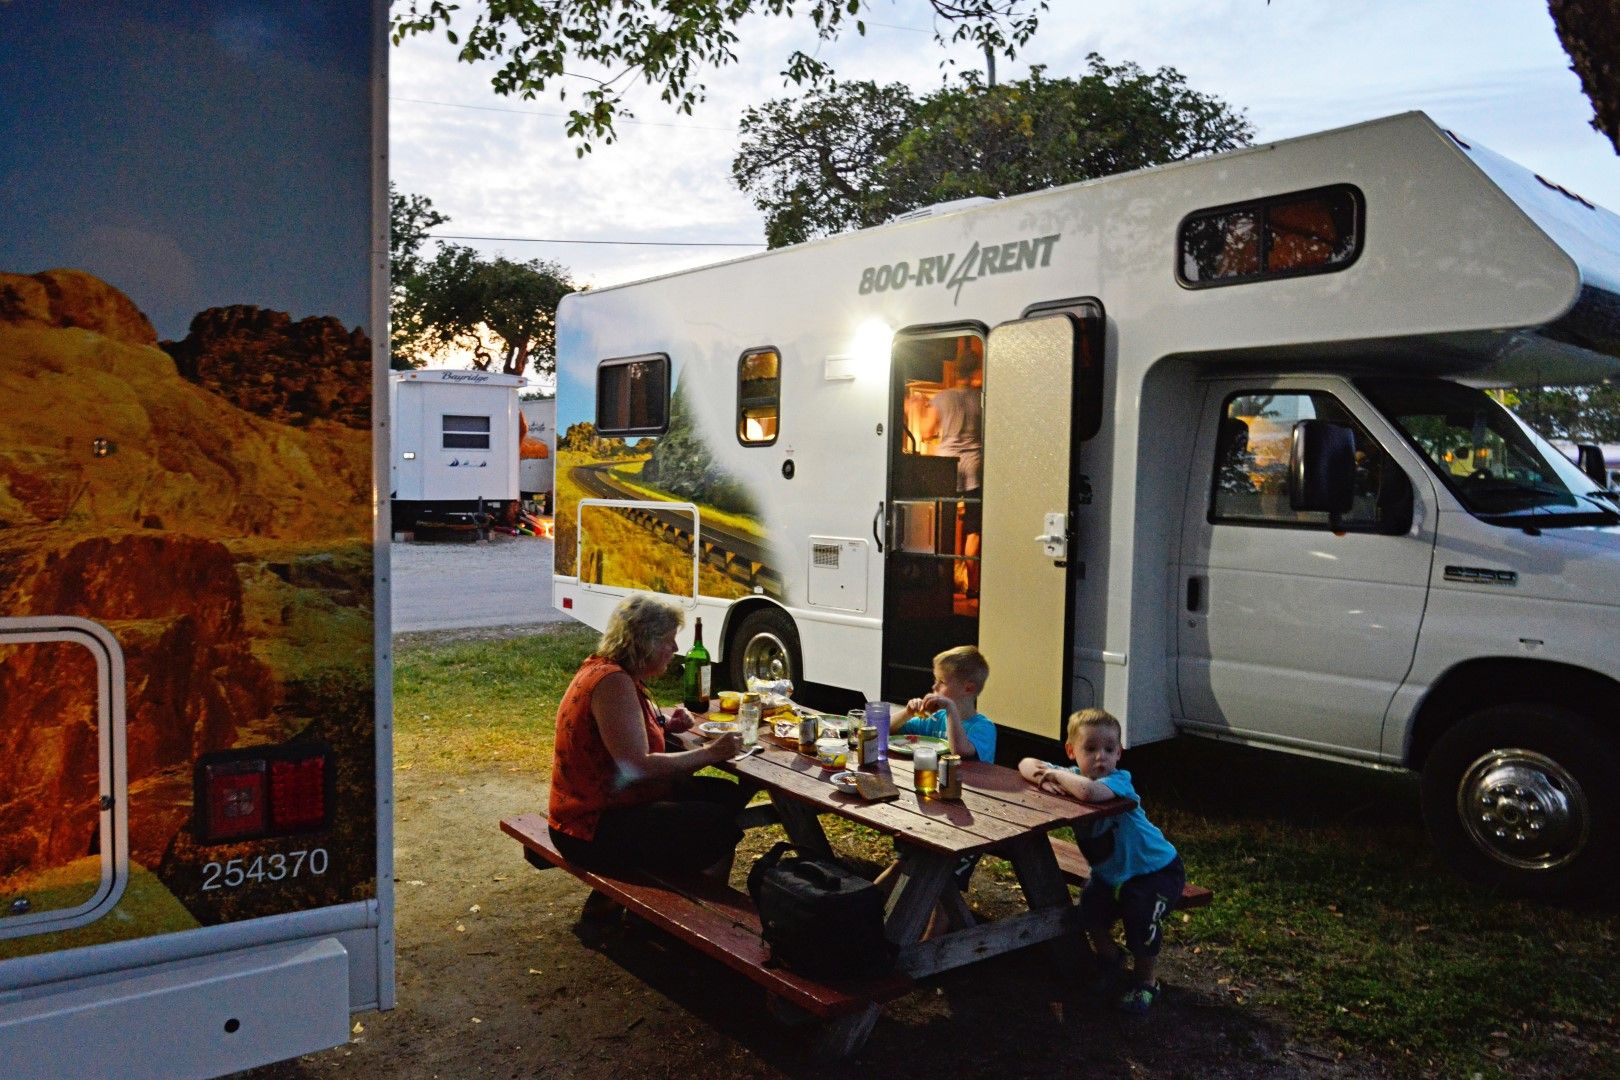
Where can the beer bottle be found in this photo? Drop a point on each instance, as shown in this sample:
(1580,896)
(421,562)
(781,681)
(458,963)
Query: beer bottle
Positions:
(695,675)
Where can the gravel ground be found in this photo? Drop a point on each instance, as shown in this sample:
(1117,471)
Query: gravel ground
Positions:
(454,584)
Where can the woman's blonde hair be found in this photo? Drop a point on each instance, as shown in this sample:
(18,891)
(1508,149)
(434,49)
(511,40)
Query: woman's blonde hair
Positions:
(634,630)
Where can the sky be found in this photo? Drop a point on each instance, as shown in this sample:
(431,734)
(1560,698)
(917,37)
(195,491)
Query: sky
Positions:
(192,155)
(1491,70)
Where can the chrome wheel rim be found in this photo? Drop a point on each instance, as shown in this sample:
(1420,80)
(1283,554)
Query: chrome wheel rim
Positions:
(1523,809)
(766,657)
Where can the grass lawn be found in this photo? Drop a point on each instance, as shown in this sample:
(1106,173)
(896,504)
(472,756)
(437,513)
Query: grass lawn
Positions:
(1330,906)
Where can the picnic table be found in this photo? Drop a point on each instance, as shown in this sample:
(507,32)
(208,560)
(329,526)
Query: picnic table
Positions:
(998,812)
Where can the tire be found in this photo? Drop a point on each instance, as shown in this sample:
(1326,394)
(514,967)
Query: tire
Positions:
(766,645)
(1526,797)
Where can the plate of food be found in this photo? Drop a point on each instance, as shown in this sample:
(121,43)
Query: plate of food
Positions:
(903,745)
(715,728)
(845,781)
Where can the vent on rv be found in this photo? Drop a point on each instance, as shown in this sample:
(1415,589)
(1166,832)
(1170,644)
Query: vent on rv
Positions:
(825,555)
(940,208)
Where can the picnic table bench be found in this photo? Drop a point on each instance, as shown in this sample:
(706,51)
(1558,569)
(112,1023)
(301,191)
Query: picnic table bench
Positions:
(999,813)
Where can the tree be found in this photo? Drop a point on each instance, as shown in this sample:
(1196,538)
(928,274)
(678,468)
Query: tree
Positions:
(460,300)
(1590,33)
(665,42)
(856,154)
(409,219)
(1573,413)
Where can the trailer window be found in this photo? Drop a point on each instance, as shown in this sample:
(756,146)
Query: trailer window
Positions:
(759,396)
(632,396)
(466,433)
(1251,464)
(1308,232)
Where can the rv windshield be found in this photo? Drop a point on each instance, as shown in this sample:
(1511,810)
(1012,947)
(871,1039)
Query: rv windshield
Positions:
(1498,468)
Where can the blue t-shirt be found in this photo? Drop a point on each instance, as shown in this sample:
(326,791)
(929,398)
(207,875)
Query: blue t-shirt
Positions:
(1139,847)
(978,728)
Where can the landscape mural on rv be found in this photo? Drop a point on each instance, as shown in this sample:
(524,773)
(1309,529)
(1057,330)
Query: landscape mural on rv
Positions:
(185,387)
(648,547)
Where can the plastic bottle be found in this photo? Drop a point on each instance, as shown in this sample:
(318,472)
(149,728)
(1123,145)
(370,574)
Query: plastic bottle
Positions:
(696,673)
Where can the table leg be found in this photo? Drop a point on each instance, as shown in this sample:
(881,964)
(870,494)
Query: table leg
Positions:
(920,877)
(842,1037)
(1044,887)
(802,825)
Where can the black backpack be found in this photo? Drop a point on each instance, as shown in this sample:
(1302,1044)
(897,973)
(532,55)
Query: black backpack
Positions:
(818,918)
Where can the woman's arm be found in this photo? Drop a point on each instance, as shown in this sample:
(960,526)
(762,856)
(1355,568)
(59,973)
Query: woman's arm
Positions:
(617,709)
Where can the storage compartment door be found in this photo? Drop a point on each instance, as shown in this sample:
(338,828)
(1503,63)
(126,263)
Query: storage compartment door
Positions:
(1025,589)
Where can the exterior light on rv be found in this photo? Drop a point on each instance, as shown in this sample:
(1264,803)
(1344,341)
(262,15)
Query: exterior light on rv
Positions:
(871,345)
(263,791)
(409,455)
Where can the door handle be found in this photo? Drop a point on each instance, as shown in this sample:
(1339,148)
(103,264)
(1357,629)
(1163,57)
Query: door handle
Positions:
(877,517)
(1055,540)
(1195,592)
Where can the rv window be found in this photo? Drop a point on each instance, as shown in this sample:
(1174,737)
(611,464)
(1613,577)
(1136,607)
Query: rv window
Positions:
(1304,233)
(466,433)
(759,396)
(632,396)
(1251,463)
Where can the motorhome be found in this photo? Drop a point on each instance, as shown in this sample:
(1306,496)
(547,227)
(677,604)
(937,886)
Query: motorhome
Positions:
(455,444)
(1238,476)
(195,806)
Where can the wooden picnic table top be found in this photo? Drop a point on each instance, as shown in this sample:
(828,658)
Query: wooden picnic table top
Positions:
(997,803)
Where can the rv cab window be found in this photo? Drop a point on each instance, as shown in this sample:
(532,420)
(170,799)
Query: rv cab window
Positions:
(759,396)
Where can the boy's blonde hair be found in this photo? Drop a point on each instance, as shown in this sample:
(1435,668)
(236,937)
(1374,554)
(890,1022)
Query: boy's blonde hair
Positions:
(965,662)
(1092,718)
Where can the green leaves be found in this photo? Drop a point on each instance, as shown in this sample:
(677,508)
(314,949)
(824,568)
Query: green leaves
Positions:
(850,155)
(664,43)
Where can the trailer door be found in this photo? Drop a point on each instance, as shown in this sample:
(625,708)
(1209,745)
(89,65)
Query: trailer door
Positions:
(1027,564)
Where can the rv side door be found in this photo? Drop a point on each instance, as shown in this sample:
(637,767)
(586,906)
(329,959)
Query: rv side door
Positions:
(1027,564)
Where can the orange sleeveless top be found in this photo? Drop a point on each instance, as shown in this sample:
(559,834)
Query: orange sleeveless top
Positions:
(585,780)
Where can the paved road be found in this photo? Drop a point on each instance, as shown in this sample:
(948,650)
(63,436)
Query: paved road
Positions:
(453,585)
(597,480)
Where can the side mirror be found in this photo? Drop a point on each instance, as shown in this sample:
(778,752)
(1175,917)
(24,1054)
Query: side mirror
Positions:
(1589,459)
(1322,467)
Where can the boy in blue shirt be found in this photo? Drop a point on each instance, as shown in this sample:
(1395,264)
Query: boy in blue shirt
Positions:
(951,711)
(1136,875)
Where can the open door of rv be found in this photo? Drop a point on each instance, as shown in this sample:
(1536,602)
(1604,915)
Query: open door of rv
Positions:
(1027,569)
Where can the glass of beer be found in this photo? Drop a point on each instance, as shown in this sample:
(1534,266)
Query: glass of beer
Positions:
(925,765)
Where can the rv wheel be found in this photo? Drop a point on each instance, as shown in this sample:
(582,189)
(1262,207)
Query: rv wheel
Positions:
(1527,797)
(766,646)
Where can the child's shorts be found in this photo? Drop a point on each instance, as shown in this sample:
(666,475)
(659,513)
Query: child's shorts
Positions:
(1141,903)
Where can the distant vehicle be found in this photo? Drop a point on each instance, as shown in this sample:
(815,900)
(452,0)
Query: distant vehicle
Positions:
(1236,478)
(536,452)
(455,446)
(1608,452)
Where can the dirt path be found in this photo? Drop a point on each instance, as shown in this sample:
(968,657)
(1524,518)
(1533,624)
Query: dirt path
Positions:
(493,983)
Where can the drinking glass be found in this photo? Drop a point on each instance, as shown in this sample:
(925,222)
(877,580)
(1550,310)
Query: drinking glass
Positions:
(925,765)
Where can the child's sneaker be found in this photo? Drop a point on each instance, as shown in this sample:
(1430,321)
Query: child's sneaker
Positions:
(1138,999)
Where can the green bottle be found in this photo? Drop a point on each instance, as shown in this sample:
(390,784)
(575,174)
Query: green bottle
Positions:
(695,675)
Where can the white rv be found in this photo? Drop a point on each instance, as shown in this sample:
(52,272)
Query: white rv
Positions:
(455,443)
(1237,477)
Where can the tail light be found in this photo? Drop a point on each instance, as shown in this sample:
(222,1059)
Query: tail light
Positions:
(263,791)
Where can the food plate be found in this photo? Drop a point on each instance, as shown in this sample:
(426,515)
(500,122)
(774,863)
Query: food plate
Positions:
(714,728)
(845,781)
(903,745)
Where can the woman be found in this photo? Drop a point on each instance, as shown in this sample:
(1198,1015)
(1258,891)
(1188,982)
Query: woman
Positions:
(617,800)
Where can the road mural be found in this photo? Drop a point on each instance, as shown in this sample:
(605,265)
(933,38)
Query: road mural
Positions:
(647,548)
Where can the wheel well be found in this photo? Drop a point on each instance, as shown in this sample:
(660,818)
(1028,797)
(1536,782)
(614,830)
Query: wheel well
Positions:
(735,614)
(1476,684)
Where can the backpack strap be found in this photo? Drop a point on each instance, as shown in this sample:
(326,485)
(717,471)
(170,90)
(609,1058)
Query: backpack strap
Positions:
(763,865)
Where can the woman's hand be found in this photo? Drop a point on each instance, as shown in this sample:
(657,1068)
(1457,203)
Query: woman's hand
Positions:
(726,746)
(679,720)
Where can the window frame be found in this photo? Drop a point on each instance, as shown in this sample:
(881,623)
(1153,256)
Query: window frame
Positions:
(1259,208)
(446,431)
(667,372)
(744,404)
(1327,524)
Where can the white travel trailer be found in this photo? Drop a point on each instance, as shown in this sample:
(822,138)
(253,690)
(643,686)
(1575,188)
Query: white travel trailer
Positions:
(455,443)
(1237,477)
(535,466)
